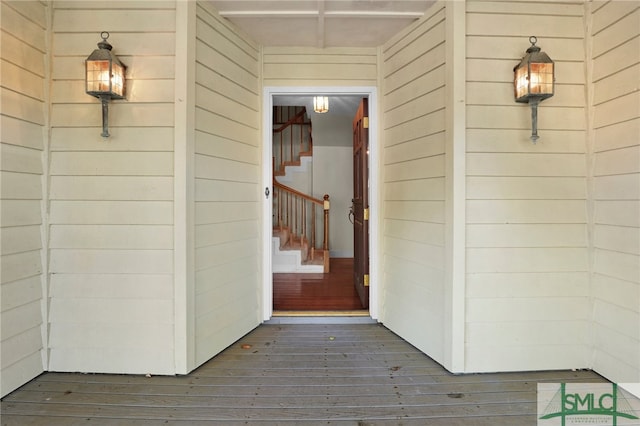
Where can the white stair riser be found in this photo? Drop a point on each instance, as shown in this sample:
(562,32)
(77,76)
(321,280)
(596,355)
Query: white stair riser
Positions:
(283,261)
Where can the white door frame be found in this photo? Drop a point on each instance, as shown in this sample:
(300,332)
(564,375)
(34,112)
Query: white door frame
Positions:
(267,226)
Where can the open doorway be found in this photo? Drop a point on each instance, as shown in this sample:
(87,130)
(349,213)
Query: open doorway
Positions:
(309,289)
(330,293)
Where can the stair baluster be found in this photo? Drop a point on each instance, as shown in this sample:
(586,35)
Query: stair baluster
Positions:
(296,218)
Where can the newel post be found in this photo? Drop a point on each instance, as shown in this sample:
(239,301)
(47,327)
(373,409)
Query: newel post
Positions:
(325,243)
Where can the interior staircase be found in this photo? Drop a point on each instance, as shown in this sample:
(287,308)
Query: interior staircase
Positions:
(300,222)
(291,254)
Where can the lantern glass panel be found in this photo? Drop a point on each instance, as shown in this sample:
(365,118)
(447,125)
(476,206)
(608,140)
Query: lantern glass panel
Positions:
(541,79)
(98,80)
(117,80)
(521,82)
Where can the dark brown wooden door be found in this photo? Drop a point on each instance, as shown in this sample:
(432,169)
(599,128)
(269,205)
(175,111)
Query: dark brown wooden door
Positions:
(360,206)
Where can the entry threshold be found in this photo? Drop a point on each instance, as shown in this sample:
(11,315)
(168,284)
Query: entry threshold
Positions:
(321,317)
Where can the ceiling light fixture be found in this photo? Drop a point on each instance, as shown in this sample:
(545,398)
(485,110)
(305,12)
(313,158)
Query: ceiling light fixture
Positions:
(320,104)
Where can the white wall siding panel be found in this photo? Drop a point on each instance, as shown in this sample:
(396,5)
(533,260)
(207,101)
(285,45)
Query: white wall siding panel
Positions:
(114,188)
(111,212)
(111,200)
(487,140)
(527,250)
(413,188)
(227,176)
(305,66)
(23,95)
(68,139)
(423,282)
(531,188)
(615,50)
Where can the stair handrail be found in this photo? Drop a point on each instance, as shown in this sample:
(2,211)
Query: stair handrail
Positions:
(288,156)
(295,219)
(299,193)
(293,120)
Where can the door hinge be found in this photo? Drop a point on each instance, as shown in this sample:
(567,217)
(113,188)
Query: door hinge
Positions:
(365,122)
(366,214)
(366,280)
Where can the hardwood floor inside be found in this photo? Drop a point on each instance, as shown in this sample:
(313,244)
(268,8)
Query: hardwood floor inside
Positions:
(317,292)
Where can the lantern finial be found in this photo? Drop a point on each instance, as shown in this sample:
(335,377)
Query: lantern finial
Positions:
(104,44)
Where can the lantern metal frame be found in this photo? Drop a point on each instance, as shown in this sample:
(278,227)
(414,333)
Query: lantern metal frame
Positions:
(534,81)
(105,78)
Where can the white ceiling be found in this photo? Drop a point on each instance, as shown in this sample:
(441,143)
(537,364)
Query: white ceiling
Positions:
(322,23)
(345,105)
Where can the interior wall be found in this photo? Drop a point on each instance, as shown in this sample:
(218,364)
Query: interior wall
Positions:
(413,190)
(615,176)
(228,198)
(527,250)
(111,306)
(333,175)
(23,120)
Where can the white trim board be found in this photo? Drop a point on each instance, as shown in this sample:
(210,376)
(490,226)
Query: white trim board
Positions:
(374,202)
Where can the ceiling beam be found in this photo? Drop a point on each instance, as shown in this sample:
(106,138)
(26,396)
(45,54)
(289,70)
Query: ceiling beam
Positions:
(373,14)
(321,26)
(269,13)
(314,13)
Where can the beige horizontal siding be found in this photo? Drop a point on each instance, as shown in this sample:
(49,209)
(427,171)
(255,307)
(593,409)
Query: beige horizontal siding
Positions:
(526,235)
(616,189)
(87,20)
(526,211)
(23,96)
(289,66)
(101,286)
(527,187)
(86,139)
(526,203)
(413,190)
(111,201)
(138,237)
(99,212)
(488,140)
(227,174)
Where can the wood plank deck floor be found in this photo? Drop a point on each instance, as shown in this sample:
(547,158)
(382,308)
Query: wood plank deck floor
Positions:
(346,374)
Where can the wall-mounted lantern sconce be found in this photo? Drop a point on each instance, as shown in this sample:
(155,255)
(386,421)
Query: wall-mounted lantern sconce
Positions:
(104,76)
(533,81)
(320,104)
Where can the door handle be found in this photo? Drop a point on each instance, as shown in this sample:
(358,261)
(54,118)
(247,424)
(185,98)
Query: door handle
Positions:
(351,215)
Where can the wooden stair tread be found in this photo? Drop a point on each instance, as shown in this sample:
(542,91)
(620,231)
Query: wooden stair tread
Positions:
(294,242)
